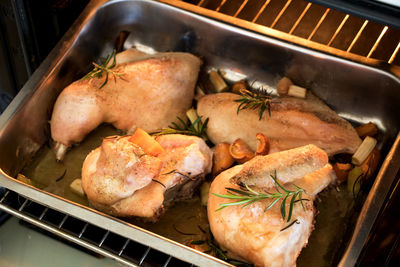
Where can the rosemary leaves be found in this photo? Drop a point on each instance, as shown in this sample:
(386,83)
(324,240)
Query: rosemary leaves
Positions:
(98,70)
(246,196)
(259,99)
(197,128)
(215,250)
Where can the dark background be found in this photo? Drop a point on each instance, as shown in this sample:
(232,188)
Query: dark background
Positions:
(29,29)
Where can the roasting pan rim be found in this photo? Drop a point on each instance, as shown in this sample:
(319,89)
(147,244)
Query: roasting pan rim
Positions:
(43,72)
(101,220)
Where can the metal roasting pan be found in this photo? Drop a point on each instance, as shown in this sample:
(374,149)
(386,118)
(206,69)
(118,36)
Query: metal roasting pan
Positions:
(359,90)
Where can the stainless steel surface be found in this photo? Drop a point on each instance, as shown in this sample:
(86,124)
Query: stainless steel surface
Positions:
(358,92)
(56,230)
(24,245)
(372,205)
(390,2)
(114,225)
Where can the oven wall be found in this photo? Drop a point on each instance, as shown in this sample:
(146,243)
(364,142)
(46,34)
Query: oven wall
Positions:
(29,29)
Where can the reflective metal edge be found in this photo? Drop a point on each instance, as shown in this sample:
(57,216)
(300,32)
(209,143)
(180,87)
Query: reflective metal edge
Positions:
(281,35)
(369,211)
(112,224)
(373,204)
(64,235)
(44,71)
(94,217)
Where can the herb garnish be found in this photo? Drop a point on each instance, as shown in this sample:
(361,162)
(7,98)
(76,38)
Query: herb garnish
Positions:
(181,232)
(289,225)
(61,176)
(214,249)
(197,128)
(247,196)
(255,99)
(98,70)
(359,181)
(187,175)
(158,182)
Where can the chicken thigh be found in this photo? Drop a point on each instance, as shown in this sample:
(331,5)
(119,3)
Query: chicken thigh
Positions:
(261,236)
(294,122)
(148,92)
(120,179)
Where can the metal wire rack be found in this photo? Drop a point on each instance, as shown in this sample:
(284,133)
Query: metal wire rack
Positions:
(101,241)
(314,23)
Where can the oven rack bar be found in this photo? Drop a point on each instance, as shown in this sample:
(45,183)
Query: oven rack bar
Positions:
(313,22)
(121,249)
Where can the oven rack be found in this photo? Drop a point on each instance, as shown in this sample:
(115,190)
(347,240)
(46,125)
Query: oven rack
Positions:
(104,242)
(308,24)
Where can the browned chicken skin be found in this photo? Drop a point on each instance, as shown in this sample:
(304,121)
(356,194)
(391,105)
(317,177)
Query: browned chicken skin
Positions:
(294,122)
(250,233)
(151,91)
(120,179)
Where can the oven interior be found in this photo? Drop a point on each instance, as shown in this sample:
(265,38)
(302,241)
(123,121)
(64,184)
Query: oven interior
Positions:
(297,22)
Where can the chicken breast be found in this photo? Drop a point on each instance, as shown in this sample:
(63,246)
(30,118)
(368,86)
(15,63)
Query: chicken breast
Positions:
(148,92)
(294,122)
(119,179)
(263,237)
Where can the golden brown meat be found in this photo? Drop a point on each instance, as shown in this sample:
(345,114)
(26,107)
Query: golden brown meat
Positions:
(123,167)
(294,122)
(119,179)
(289,165)
(152,91)
(250,233)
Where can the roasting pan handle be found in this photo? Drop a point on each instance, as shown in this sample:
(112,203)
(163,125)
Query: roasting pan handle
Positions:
(373,204)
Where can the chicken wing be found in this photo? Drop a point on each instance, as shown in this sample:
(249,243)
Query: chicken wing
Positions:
(263,237)
(148,91)
(294,122)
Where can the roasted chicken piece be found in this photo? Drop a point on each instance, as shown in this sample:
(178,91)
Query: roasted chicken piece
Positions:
(120,179)
(294,122)
(145,91)
(261,236)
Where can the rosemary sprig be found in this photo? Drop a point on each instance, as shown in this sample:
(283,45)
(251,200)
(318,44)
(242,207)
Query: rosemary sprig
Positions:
(289,225)
(247,196)
(259,99)
(216,251)
(197,128)
(61,176)
(214,248)
(98,70)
